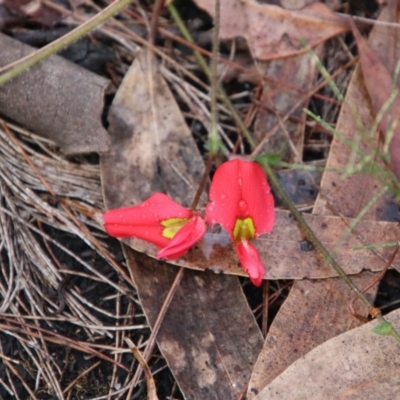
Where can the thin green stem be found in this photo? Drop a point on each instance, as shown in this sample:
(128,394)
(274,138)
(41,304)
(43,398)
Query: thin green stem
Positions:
(324,72)
(203,64)
(214,142)
(64,41)
(380,173)
(378,246)
(310,236)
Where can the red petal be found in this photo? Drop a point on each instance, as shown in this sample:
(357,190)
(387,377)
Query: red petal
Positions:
(143,221)
(151,234)
(184,239)
(239,189)
(251,262)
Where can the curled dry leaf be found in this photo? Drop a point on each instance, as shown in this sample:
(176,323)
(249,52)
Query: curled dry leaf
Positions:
(37,10)
(358,364)
(380,85)
(56,99)
(351,195)
(274,32)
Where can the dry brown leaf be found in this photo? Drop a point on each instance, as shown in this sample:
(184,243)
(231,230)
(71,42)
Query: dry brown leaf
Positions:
(209,336)
(209,352)
(297,328)
(301,186)
(349,196)
(274,32)
(309,301)
(56,99)
(358,364)
(152,146)
(380,85)
(286,255)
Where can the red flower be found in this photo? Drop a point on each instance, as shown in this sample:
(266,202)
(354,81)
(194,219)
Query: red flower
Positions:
(160,221)
(251,261)
(241,201)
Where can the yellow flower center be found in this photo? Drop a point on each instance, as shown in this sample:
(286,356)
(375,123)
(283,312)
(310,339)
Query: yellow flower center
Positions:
(244,229)
(172,226)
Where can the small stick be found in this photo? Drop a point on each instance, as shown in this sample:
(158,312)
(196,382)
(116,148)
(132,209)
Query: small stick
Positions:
(154,20)
(151,386)
(264,324)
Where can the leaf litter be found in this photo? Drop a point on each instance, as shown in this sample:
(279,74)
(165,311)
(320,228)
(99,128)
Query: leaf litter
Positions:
(38,266)
(370,367)
(197,111)
(319,303)
(162,133)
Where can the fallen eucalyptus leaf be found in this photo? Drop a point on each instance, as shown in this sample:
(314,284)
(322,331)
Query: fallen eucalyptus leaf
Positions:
(357,364)
(314,312)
